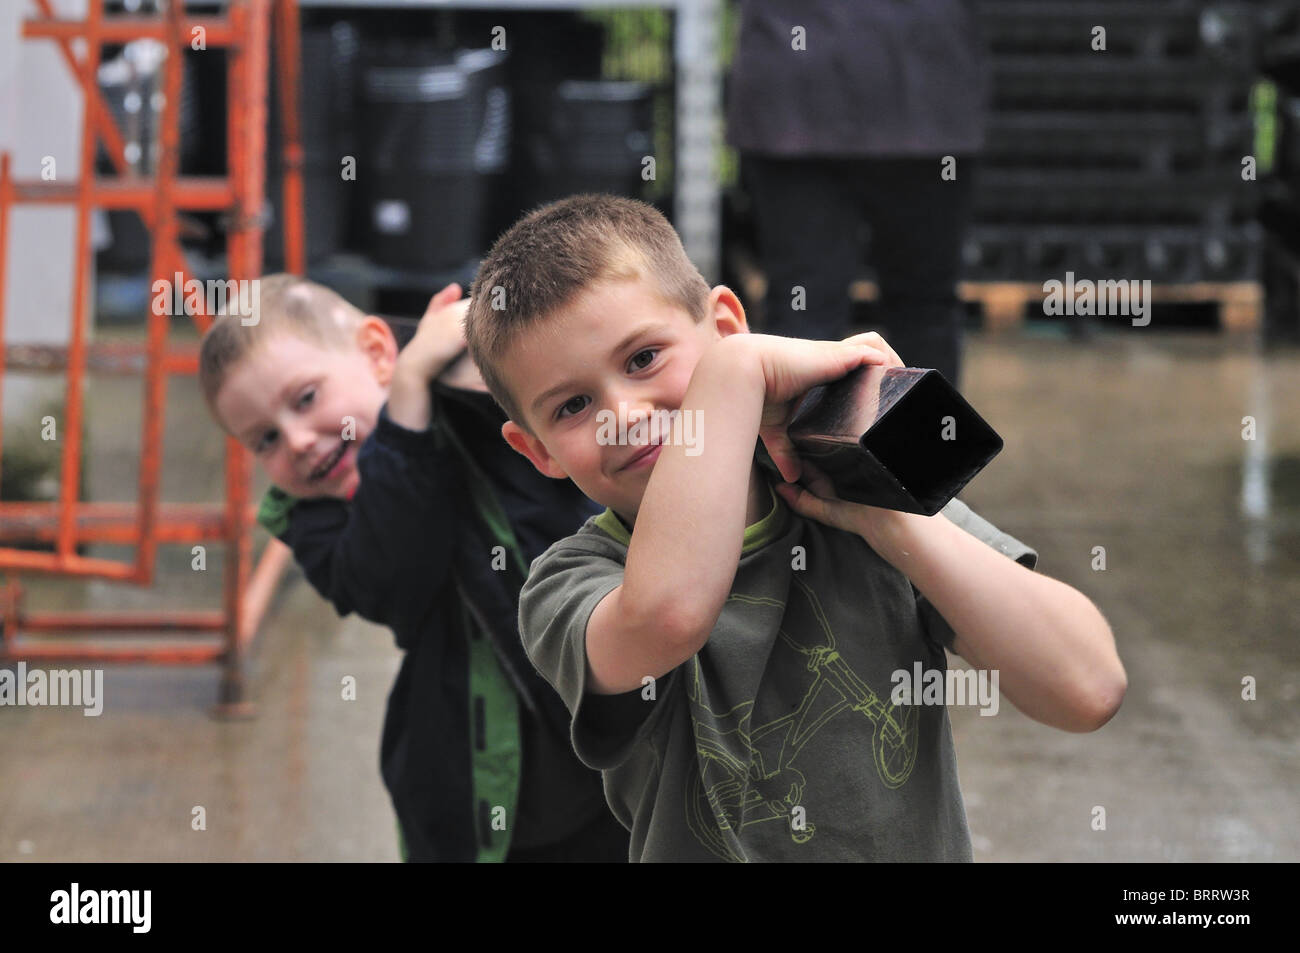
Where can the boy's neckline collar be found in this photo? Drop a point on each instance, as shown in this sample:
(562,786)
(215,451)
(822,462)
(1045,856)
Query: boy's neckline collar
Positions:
(757,535)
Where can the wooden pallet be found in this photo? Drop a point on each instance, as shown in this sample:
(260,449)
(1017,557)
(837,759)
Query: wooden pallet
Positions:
(1005,303)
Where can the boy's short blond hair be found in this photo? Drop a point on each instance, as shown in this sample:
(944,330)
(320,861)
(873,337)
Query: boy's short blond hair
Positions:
(286,304)
(552,254)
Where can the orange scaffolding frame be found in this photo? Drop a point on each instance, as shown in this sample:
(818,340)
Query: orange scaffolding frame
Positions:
(244,30)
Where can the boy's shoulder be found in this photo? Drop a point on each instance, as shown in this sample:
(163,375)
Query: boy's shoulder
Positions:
(274,509)
(601,539)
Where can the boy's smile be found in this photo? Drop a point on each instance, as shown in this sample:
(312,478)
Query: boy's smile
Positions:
(617,343)
(304,410)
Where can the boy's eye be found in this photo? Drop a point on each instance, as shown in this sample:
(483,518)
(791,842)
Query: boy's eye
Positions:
(572,405)
(307,397)
(638,364)
(263,443)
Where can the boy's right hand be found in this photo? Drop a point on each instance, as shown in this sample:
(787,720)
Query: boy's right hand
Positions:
(792,367)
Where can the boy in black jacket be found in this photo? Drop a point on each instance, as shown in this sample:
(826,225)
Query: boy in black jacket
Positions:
(401,502)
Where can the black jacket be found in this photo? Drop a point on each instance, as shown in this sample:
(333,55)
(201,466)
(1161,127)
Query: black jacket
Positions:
(435,544)
(858,78)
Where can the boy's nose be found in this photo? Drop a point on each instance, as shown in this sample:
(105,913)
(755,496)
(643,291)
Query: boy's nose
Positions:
(300,439)
(637,406)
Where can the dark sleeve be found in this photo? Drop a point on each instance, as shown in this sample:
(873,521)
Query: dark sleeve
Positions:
(386,554)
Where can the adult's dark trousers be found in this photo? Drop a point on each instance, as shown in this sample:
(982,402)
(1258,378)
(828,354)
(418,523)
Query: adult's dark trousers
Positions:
(810,214)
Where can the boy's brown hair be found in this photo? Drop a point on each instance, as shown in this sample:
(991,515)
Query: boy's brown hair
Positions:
(285,303)
(555,252)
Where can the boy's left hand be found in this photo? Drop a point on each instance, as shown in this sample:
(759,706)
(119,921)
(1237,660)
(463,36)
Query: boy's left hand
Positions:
(439,338)
(437,341)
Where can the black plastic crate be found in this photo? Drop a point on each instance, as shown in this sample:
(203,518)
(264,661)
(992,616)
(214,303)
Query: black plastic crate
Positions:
(1135,143)
(435,127)
(1150,29)
(1162,255)
(1095,84)
(1212,199)
(596,139)
(1287,126)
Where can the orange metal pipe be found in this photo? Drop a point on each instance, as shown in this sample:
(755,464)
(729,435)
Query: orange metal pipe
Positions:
(21,560)
(288,63)
(198,621)
(69,521)
(261,587)
(181,523)
(218,31)
(105,127)
(10,595)
(109,357)
(164,241)
(246,125)
(193,193)
(71,458)
(5,199)
(151,654)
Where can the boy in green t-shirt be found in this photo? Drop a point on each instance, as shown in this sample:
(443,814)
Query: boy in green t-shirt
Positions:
(730,648)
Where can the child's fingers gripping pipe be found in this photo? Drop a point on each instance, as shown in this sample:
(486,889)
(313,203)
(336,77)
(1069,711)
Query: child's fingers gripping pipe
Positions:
(782,451)
(814,497)
(791,368)
(873,339)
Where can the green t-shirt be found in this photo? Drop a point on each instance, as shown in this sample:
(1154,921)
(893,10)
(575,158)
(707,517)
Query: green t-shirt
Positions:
(778,740)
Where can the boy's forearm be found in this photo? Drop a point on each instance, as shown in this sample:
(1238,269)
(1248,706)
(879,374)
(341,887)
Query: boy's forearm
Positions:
(409,403)
(687,538)
(1052,648)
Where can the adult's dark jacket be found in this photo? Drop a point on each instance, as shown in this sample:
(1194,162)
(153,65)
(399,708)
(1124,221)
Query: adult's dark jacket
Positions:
(872,78)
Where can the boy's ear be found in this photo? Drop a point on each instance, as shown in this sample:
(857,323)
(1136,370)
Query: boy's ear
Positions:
(376,341)
(726,312)
(532,448)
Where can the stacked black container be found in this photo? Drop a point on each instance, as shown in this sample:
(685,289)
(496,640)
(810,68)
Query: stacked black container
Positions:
(452,139)
(597,139)
(1280,211)
(436,130)
(1122,162)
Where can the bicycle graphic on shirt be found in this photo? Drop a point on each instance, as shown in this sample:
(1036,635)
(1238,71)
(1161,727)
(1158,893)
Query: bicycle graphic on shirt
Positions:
(724,794)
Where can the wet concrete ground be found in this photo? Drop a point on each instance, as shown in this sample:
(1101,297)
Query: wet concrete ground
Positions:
(1132,442)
